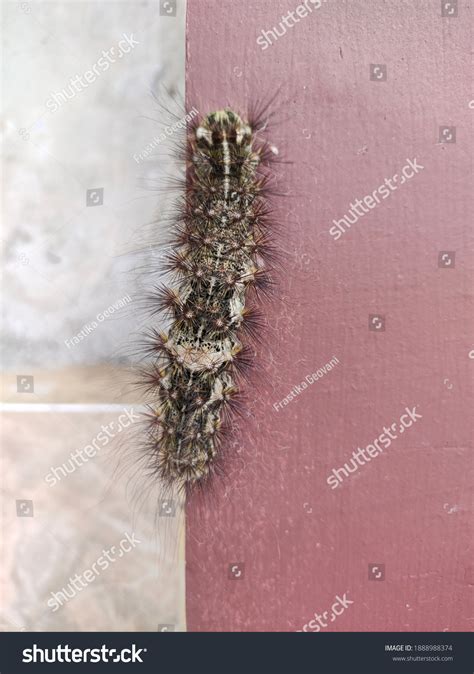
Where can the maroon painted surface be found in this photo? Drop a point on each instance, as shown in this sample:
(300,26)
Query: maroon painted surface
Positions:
(302,542)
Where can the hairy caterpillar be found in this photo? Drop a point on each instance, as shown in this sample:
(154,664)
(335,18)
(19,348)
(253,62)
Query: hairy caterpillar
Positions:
(221,255)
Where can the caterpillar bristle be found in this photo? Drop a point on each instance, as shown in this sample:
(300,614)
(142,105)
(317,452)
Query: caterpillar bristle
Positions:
(221,240)
(243,363)
(152,345)
(253,323)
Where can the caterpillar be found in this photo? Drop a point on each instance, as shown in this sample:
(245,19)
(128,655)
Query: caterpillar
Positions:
(220,266)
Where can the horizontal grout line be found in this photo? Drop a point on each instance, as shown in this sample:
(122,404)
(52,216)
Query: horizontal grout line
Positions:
(68,407)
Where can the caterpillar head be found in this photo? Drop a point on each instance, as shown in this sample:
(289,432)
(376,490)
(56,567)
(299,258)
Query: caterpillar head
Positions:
(223,148)
(221,126)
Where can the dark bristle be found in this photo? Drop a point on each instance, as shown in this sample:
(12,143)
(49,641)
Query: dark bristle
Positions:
(243,362)
(163,300)
(253,323)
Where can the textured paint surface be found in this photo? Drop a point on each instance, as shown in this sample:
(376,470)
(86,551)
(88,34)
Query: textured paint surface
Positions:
(296,542)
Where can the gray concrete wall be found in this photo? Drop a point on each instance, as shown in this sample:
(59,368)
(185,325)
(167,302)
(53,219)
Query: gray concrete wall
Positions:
(66,247)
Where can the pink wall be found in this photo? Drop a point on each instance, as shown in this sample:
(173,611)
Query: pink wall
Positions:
(302,542)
